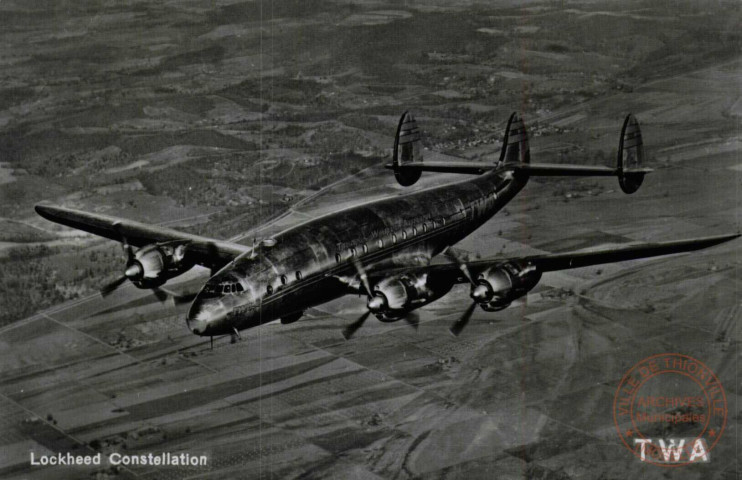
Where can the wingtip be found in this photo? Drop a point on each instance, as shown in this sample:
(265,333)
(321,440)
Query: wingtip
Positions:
(44,210)
(719,239)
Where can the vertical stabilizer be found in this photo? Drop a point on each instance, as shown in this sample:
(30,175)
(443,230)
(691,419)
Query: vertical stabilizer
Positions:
(630,156)
(515,143)
(407,150)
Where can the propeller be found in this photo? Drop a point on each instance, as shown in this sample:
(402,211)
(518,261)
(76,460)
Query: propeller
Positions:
(375,302)
(351,329)
(413,319)
(478,293)
(132,269)
(212,253)
(462,266)
(162,295)
(175,300)
(458,327)
(363,277)
(182,299)
(109,288)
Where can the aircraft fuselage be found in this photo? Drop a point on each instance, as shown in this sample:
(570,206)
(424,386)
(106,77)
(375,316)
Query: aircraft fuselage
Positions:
(304,266)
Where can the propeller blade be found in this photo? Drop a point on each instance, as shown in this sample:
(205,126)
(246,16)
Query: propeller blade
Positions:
(176,299)
(351,329)
(216,263)
(462,266)
(161,295)
(364,278)
(458,327)
(186,298)
(128,250)
(108,289)
(413,319)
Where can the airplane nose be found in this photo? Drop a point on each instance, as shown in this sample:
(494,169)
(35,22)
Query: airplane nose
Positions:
(202,318)
(199,326)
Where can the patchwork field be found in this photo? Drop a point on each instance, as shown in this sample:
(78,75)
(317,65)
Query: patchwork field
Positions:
(239,119)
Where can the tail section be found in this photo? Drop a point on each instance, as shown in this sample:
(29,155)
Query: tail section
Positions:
(630,170)
(515,155)
(407,151)
(515,147)
(630,156)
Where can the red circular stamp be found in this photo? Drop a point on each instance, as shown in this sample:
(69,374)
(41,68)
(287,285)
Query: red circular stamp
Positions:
(670,410)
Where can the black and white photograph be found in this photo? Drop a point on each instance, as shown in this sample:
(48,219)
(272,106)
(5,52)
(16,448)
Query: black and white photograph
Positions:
(370,239)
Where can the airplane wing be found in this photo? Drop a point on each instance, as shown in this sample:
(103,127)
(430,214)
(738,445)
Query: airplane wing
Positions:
(561,261)
(205,251)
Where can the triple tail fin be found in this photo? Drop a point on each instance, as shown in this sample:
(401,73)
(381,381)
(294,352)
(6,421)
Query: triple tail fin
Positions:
(515,156)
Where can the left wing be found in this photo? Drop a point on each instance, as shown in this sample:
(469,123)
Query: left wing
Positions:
(561,261)
(204,251)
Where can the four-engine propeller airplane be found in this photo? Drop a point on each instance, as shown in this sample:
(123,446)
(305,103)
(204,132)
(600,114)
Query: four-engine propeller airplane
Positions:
(383,249)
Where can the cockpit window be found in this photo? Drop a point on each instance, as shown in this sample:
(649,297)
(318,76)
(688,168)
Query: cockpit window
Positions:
(211,290)
(214,290)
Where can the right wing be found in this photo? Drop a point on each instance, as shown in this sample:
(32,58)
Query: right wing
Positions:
(205,251)
(550,262)
(561,261)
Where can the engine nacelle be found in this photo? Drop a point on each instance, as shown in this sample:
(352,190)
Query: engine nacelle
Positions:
(497,287)
(394,297)
(153,265)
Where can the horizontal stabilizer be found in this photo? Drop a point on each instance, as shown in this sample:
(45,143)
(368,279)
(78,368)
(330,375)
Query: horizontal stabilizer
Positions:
(474,168)
(547,169)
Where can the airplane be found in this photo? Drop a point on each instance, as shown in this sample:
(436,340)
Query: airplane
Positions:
(395,251)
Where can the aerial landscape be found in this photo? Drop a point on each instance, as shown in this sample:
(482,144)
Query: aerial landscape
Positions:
(238,119)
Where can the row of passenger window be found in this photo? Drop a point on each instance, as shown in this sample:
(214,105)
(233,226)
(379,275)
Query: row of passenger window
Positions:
(404,235)
(353,251)
(284,281)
